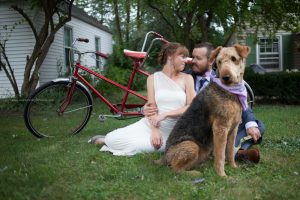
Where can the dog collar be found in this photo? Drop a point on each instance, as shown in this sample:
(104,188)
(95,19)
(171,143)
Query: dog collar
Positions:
(238,89)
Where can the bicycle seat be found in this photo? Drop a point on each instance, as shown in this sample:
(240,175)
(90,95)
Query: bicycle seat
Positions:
(134,54)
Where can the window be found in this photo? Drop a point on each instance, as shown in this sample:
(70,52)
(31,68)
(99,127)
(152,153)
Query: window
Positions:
(68,39)
(269,56)
(98,48)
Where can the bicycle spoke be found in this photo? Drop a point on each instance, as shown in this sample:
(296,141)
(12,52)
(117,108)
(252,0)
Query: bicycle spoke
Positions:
(44,118)
(77,109)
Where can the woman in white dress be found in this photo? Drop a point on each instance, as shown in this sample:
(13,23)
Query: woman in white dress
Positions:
(171,92)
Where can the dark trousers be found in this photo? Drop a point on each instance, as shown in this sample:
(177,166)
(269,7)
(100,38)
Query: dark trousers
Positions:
(242,133)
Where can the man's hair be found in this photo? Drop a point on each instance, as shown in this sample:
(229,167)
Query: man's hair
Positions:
(206,45)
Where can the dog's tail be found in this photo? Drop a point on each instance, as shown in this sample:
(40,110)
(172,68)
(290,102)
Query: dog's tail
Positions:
(160,162)
(186,155)
(183,156)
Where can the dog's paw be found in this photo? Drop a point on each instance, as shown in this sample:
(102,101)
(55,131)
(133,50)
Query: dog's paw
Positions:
(221,173)
(233,165)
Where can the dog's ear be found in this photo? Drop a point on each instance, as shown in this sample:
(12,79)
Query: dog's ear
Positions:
(243,51)
(214,54)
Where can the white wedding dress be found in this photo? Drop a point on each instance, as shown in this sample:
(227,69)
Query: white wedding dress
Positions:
(135,138)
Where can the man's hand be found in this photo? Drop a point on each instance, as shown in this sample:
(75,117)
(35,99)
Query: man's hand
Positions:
(254,133)
(156,139)
(150,109)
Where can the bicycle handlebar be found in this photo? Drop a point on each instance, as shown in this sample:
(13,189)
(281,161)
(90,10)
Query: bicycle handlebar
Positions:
(156,34)
(164,40)
(86,40)
(83,40)
(103,55)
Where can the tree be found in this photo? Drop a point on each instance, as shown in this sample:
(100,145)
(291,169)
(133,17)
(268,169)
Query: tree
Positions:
(44,36)
(271,15)
(193,21)
(198,20)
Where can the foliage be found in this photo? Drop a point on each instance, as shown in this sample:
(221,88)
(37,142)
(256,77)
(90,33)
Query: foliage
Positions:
(12,104)
(271,15)
(69,168)
(193,21)
(117,58)
(281,87)
(120,75)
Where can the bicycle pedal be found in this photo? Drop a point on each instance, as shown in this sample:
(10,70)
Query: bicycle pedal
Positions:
(102,118)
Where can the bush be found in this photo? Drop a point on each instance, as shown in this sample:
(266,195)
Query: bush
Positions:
(118,69)
(121,76)
(280,87)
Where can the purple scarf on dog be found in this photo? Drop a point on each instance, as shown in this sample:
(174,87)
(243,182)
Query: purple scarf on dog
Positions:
(238,89)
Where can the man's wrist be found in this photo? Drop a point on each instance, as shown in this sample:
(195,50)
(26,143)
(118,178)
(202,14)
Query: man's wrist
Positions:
(251,124)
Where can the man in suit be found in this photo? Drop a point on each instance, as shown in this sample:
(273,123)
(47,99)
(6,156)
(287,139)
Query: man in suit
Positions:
(250,130)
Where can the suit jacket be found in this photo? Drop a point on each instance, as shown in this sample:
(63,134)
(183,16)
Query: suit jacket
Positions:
(247,115)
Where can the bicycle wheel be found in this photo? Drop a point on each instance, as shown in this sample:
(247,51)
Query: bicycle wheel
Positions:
(250,95)
(42,116)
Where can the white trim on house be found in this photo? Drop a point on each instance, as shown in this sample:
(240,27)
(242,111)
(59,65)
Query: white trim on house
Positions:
(280,60)
(98,62)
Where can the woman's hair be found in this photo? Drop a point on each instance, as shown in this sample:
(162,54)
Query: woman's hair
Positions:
(169,50)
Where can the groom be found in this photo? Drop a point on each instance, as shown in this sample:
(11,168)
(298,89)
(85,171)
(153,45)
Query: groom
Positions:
(201,71)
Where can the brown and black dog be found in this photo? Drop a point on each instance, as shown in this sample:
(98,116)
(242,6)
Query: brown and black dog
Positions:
(210,123)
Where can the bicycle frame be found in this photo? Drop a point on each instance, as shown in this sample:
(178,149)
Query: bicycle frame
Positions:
(127,89)
(137,64)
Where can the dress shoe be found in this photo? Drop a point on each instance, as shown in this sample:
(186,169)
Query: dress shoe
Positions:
(98,139)
(251,155)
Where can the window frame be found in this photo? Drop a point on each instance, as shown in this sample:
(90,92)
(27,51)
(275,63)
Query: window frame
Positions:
(67,59)
(277,55)
(98,48)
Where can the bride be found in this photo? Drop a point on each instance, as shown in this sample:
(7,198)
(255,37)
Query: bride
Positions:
(171,91)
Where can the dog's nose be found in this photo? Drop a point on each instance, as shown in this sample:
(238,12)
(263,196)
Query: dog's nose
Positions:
(226,78)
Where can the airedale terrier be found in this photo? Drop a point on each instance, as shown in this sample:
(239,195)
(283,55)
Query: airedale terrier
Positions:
(211,121)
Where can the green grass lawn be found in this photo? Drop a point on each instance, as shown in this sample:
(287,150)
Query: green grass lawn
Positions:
(69,168)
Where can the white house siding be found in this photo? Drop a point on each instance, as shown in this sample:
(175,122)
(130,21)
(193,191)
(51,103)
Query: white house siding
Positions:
(85,30)
(18,46)
(48,70)
(22,41)
(56,55)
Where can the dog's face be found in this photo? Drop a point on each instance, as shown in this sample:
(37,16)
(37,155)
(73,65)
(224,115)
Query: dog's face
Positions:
(230,62)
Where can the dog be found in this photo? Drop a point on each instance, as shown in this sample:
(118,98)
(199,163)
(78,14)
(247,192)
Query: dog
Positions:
(210,123)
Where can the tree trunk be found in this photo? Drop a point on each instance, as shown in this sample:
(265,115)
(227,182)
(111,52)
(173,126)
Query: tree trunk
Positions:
(117,20)
(127,8)
(9,73)
(187,26)
(44,39)
(138,15)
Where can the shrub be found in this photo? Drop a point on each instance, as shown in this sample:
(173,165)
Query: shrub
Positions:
(121,76)
(280,87)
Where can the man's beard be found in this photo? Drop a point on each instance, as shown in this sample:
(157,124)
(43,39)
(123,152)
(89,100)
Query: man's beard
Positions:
(200,73)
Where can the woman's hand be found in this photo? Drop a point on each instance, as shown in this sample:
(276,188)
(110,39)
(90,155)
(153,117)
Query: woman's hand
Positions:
(156,139)
(155,119)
